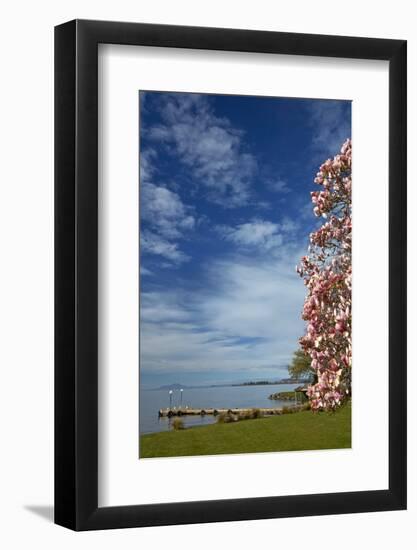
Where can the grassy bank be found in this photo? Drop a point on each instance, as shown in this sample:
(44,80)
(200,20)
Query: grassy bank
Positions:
(291,432)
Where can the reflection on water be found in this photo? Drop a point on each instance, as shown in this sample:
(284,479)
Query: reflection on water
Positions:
(224,397)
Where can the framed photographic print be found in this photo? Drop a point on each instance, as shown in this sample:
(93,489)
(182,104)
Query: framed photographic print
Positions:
(230,275)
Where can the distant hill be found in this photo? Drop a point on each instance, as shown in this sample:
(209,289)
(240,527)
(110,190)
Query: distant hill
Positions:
(173,387)
(273,382)
(177,386)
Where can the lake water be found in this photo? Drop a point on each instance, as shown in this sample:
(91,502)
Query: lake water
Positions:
(221,397)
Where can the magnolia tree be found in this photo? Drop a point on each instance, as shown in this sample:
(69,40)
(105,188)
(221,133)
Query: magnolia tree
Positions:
(327,274)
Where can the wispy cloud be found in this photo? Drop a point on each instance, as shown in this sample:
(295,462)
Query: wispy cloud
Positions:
(279,186)
(146,165)
(208,145)
(145,271)
(232,325)
(152,243)
(331,127)
(257,233)
(164,210)
(166,217)
(260,235)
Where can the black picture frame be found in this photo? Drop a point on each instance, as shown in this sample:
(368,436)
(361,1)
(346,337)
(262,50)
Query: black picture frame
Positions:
(76,272)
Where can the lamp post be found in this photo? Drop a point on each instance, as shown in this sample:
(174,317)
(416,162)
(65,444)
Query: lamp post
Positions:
(170,399)
(181,390)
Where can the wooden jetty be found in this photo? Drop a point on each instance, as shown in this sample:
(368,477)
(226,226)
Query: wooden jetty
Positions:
(186,411)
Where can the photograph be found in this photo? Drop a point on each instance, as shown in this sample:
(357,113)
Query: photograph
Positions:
(245,263)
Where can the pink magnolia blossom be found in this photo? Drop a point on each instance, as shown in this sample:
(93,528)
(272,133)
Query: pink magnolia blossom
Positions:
(327,274)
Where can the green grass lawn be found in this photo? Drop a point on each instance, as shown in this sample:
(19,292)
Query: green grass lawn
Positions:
(291,432)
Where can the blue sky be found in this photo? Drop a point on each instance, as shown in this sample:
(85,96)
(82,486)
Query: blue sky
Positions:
(225,215)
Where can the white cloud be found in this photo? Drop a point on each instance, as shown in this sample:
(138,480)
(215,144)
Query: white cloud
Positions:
(154,309)
(247,318)
(260,234)
(331,127)
(279,186)
(147,168)
(154,244)
(288,225)
(165,211)
(256,299)
(208,145)
(167,217)
(144,271)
